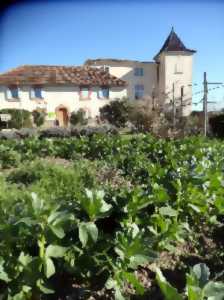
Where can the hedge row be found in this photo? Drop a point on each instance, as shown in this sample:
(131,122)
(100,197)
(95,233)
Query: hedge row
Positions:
(57,132)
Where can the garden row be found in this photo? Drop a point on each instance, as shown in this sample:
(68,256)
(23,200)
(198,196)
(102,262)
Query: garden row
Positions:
(101,216)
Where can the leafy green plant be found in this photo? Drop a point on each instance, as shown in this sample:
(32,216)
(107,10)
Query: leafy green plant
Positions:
(59,205)
(8,157)
(198,286)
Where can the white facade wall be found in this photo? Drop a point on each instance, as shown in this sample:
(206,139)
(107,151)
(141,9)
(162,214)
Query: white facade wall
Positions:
(178,71)
(60,96)
(162,81)
(125,71)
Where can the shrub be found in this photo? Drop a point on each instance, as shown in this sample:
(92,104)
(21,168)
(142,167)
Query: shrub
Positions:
(8,157)
(78,117)
(116,112)
(142,120)
(19,118)
(9,135)
(38,117)
(191,125)
(217,125)
(90,130)
(26,133)
(58,132)
(26,174)
(147,120)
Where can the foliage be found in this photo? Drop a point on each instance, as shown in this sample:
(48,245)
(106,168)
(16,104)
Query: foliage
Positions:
(19,118)
(39,117)
(191,125)
(78,117)
(55,132)
(8,157)
(217,125)
(147,119)
(116,112)
(58,206)
(198,286)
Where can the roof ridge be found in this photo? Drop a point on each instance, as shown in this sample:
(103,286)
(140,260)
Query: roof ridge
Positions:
(115,60)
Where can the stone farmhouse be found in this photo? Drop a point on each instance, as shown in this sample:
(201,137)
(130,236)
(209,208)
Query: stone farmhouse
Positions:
(60,90)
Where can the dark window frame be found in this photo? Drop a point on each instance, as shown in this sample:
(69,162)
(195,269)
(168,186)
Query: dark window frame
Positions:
(11,88)
(35,96)
(139,71)
(140,91)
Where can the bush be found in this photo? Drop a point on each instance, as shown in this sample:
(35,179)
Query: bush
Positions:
(142,120)
(26,133)
(9,135)
(147,120)
(57,132)
(90,130)
(38,117)
(19,118)
(8,157)
(116,112)
(217,125)
(78,117)
(191,125)
(26,174)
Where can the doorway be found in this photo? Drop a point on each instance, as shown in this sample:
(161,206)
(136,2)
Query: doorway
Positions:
(62,116)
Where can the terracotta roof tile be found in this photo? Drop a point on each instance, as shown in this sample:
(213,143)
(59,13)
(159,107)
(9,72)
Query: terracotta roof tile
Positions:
(59,75)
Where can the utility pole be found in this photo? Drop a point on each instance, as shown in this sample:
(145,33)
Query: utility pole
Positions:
(205,101)
(153,98)
(205,104)
(181,100)
(173,107)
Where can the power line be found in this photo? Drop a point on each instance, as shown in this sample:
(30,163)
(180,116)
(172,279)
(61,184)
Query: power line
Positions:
(186,85)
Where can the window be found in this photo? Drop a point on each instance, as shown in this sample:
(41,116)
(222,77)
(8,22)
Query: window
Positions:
(178,66)
(85,93)
(139,91)
(138,71)
(37,92)
(106,69)
(104,93)
(13,92)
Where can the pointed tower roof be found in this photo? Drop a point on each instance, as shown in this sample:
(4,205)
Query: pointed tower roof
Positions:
(173,43)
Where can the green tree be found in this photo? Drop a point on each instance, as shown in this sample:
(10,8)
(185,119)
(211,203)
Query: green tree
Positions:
(39,117)
(116,112)
(78,117)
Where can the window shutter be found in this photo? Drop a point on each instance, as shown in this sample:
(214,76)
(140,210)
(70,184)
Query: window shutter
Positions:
(89,93)
(32,94)
(105,92)
(85,93)
(100,93)
(8,93)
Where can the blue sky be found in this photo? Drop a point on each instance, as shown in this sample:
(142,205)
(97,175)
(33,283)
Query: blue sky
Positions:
(69,32)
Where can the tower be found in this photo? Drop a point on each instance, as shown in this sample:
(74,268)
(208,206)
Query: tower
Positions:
(174,74)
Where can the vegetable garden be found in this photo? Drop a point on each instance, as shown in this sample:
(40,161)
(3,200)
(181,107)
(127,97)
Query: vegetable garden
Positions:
(112,217)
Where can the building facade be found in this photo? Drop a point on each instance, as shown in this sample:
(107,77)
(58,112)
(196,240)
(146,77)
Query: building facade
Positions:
(165,80)
(60,90)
